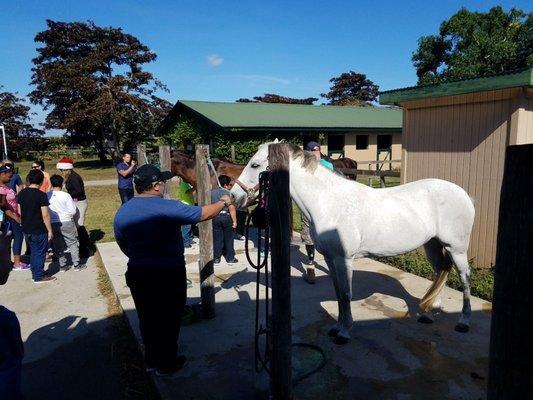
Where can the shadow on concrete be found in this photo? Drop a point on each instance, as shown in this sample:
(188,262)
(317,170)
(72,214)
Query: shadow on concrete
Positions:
(71,359)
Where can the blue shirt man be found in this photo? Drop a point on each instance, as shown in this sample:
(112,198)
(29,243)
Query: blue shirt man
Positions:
(125,171)
(147,230)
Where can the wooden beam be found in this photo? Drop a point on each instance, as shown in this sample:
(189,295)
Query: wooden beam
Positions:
(207,274)
(164,161)
(279,208)
(511,351)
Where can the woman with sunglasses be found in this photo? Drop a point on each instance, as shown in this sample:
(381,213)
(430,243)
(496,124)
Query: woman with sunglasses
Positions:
(46,186)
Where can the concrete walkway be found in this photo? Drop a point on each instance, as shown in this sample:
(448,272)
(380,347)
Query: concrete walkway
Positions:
(391,356)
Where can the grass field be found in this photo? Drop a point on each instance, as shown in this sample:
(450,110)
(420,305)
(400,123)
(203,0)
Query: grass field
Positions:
(90,169)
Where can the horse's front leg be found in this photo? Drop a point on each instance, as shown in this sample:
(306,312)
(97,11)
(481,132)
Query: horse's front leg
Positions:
(335,329)
(343,272)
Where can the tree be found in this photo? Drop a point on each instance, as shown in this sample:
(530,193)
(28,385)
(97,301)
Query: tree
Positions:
(351,89)
(276,98)
(472,44)
(15,115)
(92,81)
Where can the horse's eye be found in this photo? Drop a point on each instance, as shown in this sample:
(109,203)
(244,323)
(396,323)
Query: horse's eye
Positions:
(255,165)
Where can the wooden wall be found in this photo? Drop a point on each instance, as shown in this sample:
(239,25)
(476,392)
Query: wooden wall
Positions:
(462,139)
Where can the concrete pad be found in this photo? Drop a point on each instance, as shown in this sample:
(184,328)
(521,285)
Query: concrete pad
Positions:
(66,331)
(391,355)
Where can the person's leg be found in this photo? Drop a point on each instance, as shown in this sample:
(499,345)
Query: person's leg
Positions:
(123,195)
(83,236)
(130,194)
(68,230)
(169,306)
(228,239)
(241,224)
(141,287)
(218,238)
(185,234)
(38,244)
(59,244)
(18,238)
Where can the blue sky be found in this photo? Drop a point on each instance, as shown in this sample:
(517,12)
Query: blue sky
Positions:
(224,50)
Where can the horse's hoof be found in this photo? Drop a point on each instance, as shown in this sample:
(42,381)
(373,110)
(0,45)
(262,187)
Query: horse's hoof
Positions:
(333,332)
(340,340)
(462,328)
(424,319)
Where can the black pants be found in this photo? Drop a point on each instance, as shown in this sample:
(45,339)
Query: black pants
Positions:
(241,221)
(125,195)
(223,237)
(159,293)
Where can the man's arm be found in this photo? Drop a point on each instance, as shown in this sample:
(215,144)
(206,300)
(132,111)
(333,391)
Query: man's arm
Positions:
(233,214)
(126,172)
(46,218)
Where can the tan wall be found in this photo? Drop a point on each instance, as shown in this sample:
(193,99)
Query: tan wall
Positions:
(522,119)
(370,153)
(463,139)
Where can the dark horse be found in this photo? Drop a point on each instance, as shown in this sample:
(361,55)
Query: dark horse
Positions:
(343,163)
(184,166)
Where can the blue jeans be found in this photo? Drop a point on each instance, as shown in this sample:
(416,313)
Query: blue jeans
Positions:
(126,195)
(186,234)
(38,243)
(18,237)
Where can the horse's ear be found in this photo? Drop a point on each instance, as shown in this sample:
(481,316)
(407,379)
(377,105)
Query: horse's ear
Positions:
(276,140)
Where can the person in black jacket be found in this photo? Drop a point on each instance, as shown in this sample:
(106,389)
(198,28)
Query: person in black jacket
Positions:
(76,189)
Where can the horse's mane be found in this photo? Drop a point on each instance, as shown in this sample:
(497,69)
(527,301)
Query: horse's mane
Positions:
(309,162)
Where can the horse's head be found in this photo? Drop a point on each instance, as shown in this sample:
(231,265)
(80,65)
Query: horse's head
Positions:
(183,165)
(248,180)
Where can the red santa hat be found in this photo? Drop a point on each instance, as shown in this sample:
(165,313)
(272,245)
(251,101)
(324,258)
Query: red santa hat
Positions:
(65,163)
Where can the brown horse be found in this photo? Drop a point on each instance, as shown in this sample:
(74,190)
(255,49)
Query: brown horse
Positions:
(184,166)
(344,163)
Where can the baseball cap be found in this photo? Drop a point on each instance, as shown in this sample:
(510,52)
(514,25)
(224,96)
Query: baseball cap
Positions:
(5,168)
(312,146)
(148,174)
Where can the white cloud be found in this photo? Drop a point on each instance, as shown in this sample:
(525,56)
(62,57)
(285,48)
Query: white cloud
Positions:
(214,60)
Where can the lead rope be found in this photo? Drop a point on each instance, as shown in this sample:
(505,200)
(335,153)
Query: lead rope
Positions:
(262,359)
(210,164)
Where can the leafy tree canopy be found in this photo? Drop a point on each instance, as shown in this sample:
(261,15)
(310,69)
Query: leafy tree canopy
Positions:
(351,89)
(276,98)
(92,80)
(15,115)
(472,44)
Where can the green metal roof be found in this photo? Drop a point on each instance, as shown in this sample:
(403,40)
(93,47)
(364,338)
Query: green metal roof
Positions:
(508,80)
(262,116)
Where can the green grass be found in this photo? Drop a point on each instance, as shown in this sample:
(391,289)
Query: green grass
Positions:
(482,280)
(90,169)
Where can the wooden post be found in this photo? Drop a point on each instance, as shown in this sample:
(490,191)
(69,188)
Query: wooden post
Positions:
(164,161)
(141,154)
(233,153)
(279,208)
(511,348)
(207,275)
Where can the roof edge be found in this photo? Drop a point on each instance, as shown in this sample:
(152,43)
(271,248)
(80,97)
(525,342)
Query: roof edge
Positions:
(396,96)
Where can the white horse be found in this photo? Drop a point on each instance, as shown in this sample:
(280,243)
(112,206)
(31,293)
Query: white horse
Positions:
(350,220)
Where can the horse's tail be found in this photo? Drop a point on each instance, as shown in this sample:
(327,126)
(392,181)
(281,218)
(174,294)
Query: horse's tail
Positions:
(440,280)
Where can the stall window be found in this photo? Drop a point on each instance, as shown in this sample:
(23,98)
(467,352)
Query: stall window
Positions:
(384,142)
(361,142)
(336,144)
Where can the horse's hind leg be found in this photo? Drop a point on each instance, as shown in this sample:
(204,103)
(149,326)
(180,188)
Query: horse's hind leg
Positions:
(461,262)
(435,255)
(343,272)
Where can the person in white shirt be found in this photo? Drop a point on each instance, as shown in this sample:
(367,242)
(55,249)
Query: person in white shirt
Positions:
(62,212)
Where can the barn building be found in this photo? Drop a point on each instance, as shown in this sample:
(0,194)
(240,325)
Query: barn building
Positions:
(360,133)
(459,131)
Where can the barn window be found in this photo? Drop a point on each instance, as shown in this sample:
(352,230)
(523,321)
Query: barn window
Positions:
(384,142)
(336,145)
(361,142)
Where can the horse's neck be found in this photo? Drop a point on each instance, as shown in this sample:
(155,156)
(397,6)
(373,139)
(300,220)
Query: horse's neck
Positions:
(311,189)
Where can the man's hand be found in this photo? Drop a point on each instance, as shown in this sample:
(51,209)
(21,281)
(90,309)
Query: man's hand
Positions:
(226,198)
(133,163)
(234,225)
(50,236)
